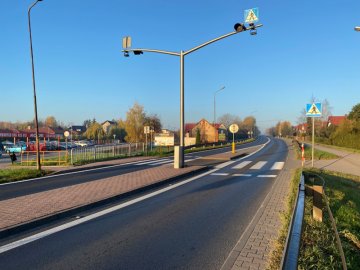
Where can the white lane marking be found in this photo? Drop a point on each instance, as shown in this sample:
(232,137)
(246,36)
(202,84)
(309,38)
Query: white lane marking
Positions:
(278,165)
(242,165)
(242,174)
(222,165)
(71,224)
(267,175)
(151,161)
(69,173)
(220,174)
(258,165)
(161,162)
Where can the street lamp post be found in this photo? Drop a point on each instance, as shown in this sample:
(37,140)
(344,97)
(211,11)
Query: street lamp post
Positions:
(179,159)
(222,88)
(34,88)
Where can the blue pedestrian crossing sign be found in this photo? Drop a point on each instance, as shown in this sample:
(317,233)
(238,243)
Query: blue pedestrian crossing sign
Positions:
(314,110)
(251,15)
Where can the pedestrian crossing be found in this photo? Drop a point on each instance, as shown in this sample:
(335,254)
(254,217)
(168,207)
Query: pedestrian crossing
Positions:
(253,167)
(155,162)
(259,165)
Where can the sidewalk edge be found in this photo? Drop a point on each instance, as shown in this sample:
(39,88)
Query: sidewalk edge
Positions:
(72,211)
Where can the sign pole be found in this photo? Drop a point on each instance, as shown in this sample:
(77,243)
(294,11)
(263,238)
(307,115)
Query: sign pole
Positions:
(233,144)
(146,146)
(233,129)
(313,142)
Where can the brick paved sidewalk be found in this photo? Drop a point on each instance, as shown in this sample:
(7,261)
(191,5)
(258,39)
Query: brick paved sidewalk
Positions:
(252,250)
(39,205)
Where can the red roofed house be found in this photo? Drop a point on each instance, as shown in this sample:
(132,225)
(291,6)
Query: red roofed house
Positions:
(209,133)
(335,120)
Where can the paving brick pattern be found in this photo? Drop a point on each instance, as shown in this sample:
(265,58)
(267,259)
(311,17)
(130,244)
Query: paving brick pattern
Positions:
(31,207)
(254,253)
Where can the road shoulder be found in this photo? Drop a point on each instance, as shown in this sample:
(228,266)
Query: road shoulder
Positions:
(254,246)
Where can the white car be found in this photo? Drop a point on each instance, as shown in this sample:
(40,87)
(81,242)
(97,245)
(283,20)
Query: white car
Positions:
(82,143)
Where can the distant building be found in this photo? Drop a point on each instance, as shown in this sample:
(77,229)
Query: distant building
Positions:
(209,133)
(77,129)
(335,120)
(165,138)
(107,125)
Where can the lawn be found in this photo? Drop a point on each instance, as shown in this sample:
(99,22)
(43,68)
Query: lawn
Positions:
(11,175)
(318,249)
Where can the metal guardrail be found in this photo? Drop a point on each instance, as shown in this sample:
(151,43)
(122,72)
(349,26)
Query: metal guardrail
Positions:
(292,244)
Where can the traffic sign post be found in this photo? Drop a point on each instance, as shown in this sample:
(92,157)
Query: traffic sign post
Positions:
(66,134)
(233,129)
(302,155)
(313,110)
(146,131)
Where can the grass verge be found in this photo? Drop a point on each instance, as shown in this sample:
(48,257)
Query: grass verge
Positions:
(318,248)
(12,175)
(318,154)
(347,149)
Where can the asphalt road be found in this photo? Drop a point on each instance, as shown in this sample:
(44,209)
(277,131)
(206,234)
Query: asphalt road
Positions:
(193,226)
(17,189)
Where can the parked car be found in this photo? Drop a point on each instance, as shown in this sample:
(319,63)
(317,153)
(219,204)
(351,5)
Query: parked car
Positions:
(0,153)
(32,147)
(7,144)
(17,148)
(83,143)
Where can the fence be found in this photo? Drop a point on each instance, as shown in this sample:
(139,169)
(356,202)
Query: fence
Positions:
(54,158)
(100,152)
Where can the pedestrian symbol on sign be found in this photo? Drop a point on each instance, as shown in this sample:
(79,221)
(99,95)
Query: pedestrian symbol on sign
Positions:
(251,15)
(313,110)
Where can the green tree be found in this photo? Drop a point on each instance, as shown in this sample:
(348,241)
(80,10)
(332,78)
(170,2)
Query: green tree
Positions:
(134,124)
(355,113)
(118,131)
(50,121)
(198,137)
(154,122)
(95,132)
(87,123)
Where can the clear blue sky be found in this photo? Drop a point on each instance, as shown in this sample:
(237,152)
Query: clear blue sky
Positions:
(306,48)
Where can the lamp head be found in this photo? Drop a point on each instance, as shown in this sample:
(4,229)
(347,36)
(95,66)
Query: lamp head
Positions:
(357,28)
(239,27)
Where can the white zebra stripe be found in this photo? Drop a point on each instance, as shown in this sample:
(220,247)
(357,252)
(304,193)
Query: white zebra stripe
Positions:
(277,166)
(242,165)
(258,165)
